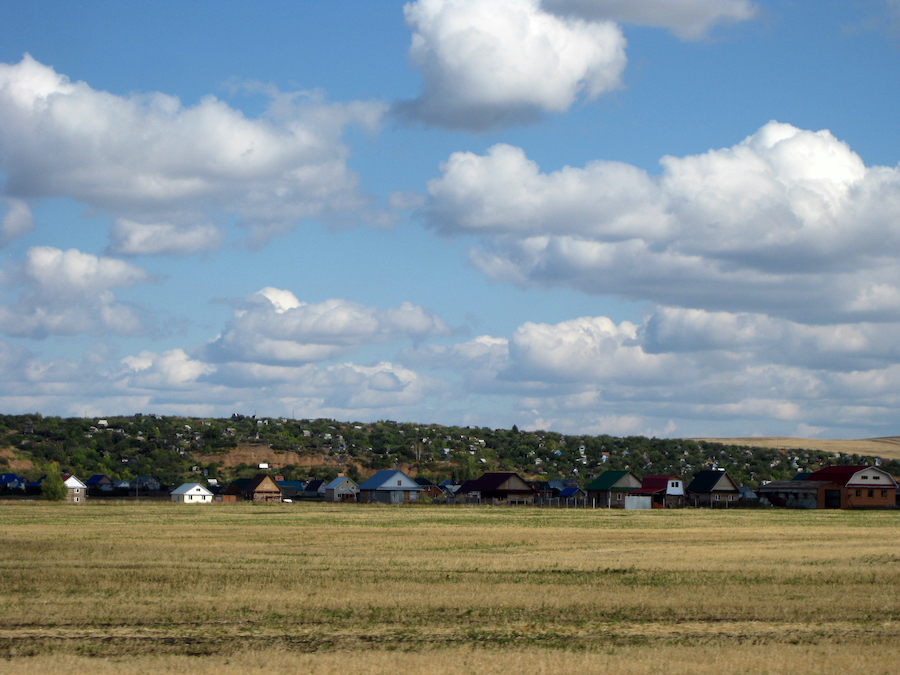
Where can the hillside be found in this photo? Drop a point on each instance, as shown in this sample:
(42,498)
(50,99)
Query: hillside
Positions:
(175,449)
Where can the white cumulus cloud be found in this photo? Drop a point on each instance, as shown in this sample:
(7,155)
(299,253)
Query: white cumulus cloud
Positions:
(489,63)
(787,222)
(70,292)
(274,327)
(147,159)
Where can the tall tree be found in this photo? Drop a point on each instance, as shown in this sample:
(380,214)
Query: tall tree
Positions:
(52,487)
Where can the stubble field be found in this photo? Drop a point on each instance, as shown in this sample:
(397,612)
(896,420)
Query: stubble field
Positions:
(164,588)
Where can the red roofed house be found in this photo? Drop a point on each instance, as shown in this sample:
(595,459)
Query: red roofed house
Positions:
(667,491)
(854,487)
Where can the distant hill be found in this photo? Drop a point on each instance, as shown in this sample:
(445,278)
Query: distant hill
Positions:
(886,448)
(175,449)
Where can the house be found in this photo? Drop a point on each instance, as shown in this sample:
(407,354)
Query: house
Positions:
(341,489)
(76,491)
(573,495)
(291,488)
(10,481)
(793,494)
(262,488)
(191,493)
(854,487)
(610,488)
(664,491)
(99,482)
(315,489)
(712,487)
(389,486)
(429,488)
(497,488)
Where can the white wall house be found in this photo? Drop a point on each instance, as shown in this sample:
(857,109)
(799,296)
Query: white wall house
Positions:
(191,493)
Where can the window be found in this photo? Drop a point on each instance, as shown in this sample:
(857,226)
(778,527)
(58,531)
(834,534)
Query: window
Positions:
(859,493)
(865,478)
(77,490)
(717,497)
(876,477)
(871,493)
(731,498)
(884,493)
(399,482)
(619,496)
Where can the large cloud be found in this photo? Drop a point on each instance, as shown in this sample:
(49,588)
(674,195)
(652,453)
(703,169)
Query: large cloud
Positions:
(150,161)
(274,327)
(488,63)
(688,19)
(70,292)
(788,222)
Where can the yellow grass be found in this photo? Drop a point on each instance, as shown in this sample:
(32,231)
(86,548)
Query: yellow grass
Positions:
(150,588)
(886,448)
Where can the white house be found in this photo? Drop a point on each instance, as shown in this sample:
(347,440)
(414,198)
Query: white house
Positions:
(76,491)
(191,493)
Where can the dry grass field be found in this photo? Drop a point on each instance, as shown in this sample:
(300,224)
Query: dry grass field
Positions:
(159,588)
(887,448)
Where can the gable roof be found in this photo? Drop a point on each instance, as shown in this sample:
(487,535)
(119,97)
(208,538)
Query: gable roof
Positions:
(73,482)
(192,488)
(340,480)
(571,492)
(608,480)
(314,486)
(387,479)
(262,482)
(842,475)
(499,481)
(711,480)
(656,483)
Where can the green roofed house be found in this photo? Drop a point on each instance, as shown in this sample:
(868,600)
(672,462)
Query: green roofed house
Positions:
(610,488)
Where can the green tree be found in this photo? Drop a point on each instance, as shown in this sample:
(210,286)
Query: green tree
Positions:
(52,487)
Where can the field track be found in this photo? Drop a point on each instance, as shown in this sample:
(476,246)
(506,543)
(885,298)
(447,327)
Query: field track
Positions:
(167,588)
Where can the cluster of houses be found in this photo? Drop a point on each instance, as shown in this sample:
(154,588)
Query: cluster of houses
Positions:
(836,487)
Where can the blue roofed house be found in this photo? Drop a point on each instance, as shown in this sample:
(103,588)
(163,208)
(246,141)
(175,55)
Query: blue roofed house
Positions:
(10,481)
(341,489)
(389,486)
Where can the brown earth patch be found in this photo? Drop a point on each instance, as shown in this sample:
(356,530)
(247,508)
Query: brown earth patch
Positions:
(14,462)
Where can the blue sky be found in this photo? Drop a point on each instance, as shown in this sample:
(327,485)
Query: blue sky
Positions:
(660,217)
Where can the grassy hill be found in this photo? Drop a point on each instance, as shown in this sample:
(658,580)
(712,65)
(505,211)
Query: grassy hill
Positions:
(175,449)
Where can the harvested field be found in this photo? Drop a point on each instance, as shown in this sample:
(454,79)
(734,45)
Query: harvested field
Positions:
(887,448)
(152,587)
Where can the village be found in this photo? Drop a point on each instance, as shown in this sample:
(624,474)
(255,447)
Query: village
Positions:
(834,487)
